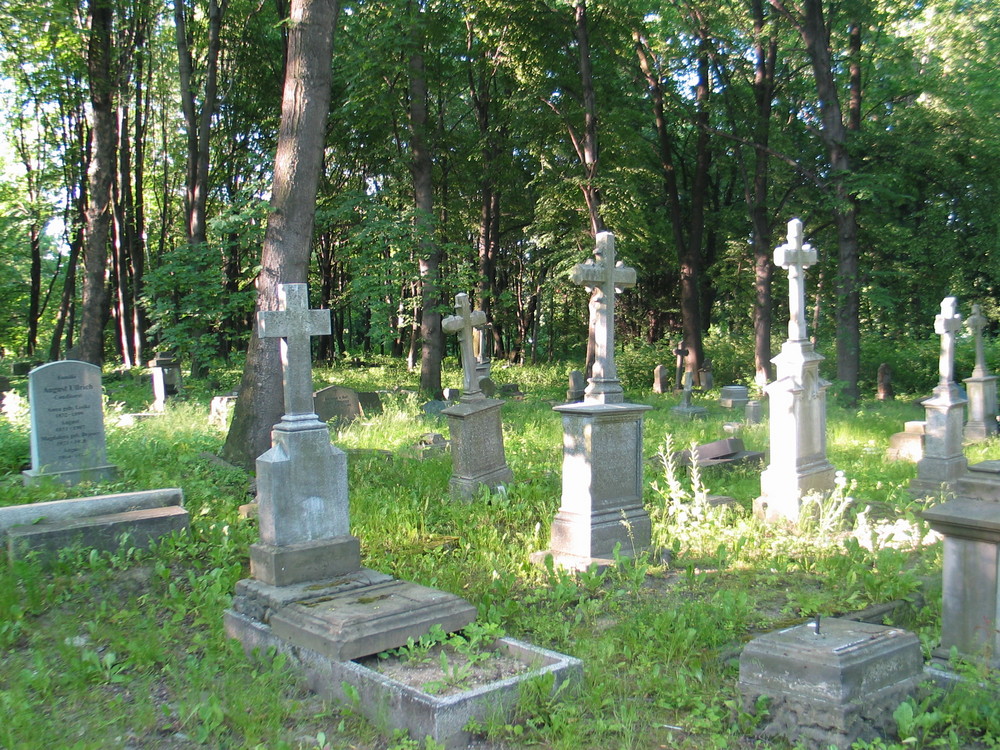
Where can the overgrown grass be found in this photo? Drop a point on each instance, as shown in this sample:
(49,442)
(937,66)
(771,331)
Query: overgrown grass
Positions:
(128,649)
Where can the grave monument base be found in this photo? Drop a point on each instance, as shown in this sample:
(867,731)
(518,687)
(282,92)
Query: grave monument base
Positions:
(943,464)
(353,615)
(782,491)
(982,393)
(94,474)
(831,688)
(304,561)
(477,450)
(981,481)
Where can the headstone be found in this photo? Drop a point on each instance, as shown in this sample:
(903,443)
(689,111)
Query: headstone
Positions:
(336,402)
(799,465)
(907,445)
(686,409)
(753,412)
(434,407)
(308,587)
(577,385)
(734,396)
(885,392)
(165,370)
(20,369)
(725,452)
(221,411)
(67,424)
(680,351)
(971,578)
(477,448)
(371,403)
(831,682)
(981,387)
(488,387)
(661,379)
(706,377)
(482,344)
(943,463)
(453,394)
(602,483)
(511,390)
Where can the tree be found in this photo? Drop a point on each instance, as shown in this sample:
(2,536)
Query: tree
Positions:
(285,255)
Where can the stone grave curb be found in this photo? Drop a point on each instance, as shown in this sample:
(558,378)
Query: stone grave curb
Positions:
(390,704)
(85,507)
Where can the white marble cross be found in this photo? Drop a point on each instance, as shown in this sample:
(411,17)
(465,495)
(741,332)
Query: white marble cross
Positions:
(463,324)
(947,323)
(294,323)
(796,257)
(604,278)
(976,323)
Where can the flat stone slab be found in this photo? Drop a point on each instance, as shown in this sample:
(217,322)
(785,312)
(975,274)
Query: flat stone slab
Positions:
(834,687)
(82,507)
(355,615)
(966,518)
(393,705)
(986,467)
(725,452)
(135,528)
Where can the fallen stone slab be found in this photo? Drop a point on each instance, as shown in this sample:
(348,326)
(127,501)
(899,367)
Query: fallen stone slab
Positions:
(725,452)
(393,705)
(81,507)
(106,533)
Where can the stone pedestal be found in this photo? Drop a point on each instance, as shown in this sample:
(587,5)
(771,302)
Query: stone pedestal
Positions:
(601,486)
(907,445)
(165,370)
(982,394)
(981,482)
(971,530)
(734,396)
(477,450)
(943,463)
(831,688)
(798,463)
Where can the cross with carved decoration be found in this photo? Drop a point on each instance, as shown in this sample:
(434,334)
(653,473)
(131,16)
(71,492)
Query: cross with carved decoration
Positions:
(295,324)
(795,257)
(463,324)
(604,277)
(947,324)
(976,323)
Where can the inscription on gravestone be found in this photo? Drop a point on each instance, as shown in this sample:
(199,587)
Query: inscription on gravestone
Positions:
(67,424)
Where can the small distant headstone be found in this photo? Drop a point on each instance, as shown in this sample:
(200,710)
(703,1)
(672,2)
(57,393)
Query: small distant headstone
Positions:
(67,424)
(753,412)
(885,392)
(511,390)
(452,394)
(734,396)
(661,379)
(907,445)
(577,386)
(434,407)
(20,369)
(165,370)
(337,402)
(705,375)
(222,410)
(371,403)
(981,388)
(681,352)
(488,387)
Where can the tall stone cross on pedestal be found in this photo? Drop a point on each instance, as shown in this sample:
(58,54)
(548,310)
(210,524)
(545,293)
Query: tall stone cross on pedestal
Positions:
(604,278)
(295,324)
(947,324)
(976,323)
(795,257)
(463,324)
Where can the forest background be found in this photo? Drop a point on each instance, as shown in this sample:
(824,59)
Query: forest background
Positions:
(479,146)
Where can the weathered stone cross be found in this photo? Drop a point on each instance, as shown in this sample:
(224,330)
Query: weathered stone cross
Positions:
(976,323)
(948,323)
(294,323)
(604,278)
(463,324)
(796,258)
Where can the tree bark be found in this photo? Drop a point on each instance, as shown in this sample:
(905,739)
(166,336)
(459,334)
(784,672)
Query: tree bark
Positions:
(100,179)
(285,256)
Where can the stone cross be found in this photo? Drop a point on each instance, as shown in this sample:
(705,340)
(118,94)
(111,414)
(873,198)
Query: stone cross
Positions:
(463,324)
(795,257)
(976,323)
(294,323)
(604,278)
(947,324)
(681,352)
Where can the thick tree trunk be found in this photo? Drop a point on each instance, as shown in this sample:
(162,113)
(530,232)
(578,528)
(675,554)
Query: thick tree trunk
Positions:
(287,242)
(103,138)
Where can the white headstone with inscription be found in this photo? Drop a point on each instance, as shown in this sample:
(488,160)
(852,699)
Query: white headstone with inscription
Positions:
(67,424)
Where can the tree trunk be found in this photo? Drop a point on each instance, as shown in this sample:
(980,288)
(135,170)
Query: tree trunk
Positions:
(285,257)
(100,180)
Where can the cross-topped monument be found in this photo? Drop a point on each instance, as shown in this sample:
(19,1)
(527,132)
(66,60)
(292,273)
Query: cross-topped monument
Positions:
(463,323)
(295,324)
(976,323)
(604,278)
(947,324)
(795,257)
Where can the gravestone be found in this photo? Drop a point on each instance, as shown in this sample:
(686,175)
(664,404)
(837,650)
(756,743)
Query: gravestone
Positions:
(221,411)
(165,370)
(798,463)
(371,403)
(602,482)
(734,396)
(907,445)
(577,386)
(336,402)
(981,387)
(706,378)
(308,587)
(482,344)
(477,449)
(661,379)
(680,351)
(453,394)
(831,682)
(725,452)
(943,463)
(67,424)
(885,392)
(753,412)
(686,409)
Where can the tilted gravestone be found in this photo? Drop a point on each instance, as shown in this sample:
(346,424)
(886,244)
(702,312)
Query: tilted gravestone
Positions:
(67,424)
(337,402)
(661,380)
(577,385)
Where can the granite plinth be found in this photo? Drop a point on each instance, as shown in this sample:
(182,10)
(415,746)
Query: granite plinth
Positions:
(477,448)
(833,688)
(982,394)
(943,463)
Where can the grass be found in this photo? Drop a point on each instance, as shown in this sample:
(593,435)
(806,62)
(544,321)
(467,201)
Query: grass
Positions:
(127,650)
